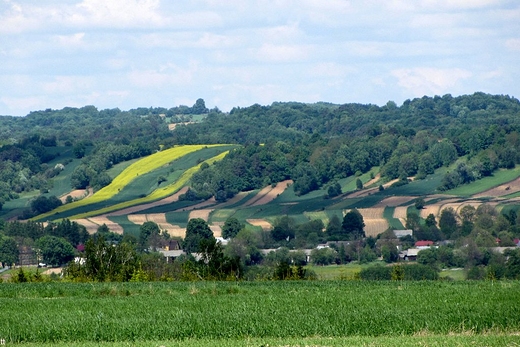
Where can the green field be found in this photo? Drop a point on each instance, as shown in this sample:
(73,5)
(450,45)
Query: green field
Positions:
(498,178)
(328,313)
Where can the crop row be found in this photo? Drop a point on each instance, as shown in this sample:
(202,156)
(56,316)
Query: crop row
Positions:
(61,312)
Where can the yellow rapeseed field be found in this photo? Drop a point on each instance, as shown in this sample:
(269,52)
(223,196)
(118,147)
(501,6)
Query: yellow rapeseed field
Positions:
(156,194)
(140,167)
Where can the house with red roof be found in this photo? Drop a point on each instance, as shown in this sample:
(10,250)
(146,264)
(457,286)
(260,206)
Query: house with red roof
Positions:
(423,244)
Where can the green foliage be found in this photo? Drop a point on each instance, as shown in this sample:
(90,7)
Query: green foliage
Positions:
(353,225)
(196,231)
(231,228)
(8,251)
(55,251)
(104,262)
(116,312)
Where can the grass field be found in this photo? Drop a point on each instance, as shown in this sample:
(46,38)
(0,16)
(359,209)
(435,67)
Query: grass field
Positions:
(256,313)
(499,177)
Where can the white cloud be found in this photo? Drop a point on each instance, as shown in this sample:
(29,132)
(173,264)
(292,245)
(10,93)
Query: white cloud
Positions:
(513,44)
(428,81)
(282,53)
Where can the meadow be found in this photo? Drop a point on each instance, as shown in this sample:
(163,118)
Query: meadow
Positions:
(330,313)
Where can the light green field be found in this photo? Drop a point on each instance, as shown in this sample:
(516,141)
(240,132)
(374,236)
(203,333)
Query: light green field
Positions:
(454,340)
(498,178)
(280,313)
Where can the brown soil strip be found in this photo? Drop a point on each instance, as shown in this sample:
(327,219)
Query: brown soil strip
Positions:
(77,194)
(134,209)
(265,225)
(394,201)
(204,214)
(91,226)
(272,193)
(137,218)
(112,226)
(501,190)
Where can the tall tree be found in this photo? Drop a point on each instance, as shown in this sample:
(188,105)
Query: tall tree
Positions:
(55,251)
(8,251)
(353,225)
(196,231)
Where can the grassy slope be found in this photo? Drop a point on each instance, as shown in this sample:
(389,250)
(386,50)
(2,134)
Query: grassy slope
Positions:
(498,178)
(140,179)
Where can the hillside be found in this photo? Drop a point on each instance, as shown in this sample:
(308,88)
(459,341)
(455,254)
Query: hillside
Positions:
(304,161)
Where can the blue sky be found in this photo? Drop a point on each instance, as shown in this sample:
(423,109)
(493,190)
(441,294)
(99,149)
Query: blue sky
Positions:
(142,53)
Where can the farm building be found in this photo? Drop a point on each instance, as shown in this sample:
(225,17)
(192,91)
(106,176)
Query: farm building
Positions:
(403,233)
(423,244)
(410,254)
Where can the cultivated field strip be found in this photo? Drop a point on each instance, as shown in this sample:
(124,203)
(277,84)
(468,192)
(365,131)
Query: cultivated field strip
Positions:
(501,190)
(89,225)
(165,201)
(437,208)
(112,226)
(272,194)
(160,220)
(375,223)
(395,201)
(267,194)
(265,225)
(130,313)
(203,214)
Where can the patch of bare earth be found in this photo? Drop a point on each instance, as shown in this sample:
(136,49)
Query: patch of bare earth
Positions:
(501,190)
(77,194)
(89,225)
(262,223)
(112,226)
(54,270)
(134,209)
(172,126)
(375,223)
(394,201)
(268,194)
(160,220)
(203,214)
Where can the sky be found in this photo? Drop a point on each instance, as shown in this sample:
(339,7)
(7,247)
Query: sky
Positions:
(235,53)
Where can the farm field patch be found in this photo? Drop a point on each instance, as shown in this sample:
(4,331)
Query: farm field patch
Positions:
(82,313)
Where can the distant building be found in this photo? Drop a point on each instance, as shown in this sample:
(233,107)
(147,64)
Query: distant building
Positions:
(423,244)
(403,233)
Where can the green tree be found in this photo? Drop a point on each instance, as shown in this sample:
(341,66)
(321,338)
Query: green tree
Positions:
(359,184)
(353,225)
(148,233)
(55,251)
(334,228)
(323,256)
(448,222)
(196,231)
(105,262)
(231,228)
(8,251)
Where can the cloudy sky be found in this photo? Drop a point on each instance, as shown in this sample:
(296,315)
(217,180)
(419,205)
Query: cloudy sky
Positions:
(142,53)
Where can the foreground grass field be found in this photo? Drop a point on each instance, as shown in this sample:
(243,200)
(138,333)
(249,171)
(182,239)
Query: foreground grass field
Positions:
(324,313)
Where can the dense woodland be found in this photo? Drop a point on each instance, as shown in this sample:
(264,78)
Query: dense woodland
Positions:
(312,144)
